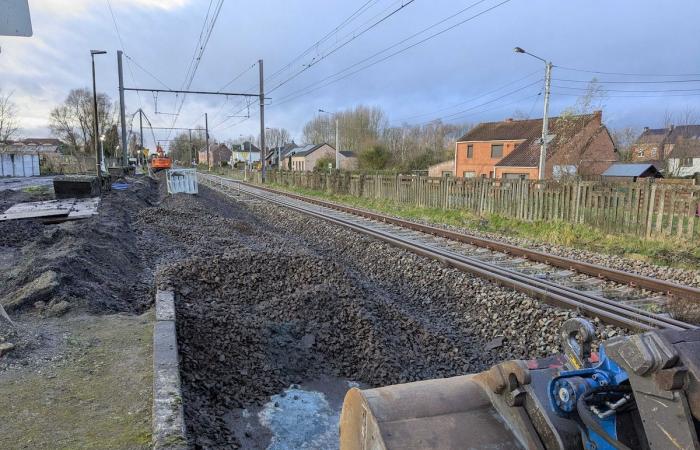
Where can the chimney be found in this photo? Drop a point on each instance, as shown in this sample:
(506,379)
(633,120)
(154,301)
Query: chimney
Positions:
(598,115)
(646,129)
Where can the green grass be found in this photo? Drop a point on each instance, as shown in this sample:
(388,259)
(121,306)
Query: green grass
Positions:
(670,252)
(98,395)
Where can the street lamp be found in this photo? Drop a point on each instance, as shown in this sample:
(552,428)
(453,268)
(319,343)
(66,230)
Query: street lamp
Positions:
(545,119)
(337,152)
(102,151)
(94,104)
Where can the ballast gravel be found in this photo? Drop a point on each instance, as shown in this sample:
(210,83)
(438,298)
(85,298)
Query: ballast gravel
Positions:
(267,297)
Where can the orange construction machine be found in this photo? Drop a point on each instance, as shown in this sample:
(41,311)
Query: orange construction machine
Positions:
(159,161)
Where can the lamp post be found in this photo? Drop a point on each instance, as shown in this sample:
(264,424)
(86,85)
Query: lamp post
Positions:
(102,151)
(94,104)
(545,119)
(337,152)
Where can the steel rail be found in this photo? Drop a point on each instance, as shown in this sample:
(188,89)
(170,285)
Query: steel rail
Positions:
(551,293)
(619,276)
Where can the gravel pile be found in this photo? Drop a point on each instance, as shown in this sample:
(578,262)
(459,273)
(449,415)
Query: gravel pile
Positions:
(300,297)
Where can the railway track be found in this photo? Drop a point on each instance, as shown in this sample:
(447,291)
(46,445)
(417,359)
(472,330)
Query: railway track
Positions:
(624,300)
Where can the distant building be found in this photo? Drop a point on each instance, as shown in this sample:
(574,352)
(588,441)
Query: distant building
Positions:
(631,172)
(658,146)
(305,158)
(246,152)
(579,145)
(218,154)
(23,158)
(684,158)
(442,169)
(276,153)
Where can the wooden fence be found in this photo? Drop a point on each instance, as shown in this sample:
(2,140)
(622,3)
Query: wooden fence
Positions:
(648,209)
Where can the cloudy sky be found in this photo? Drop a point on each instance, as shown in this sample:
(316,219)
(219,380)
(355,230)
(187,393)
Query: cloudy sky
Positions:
(418,60)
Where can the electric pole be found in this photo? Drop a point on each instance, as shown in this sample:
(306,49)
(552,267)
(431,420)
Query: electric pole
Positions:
(138,156)
(337,150)
(545,119)
(191,148)
(262,122)
(206,136)
(122,112)
(98,155)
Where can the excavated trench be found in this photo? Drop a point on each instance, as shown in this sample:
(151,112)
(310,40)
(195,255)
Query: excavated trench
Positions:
(279,314)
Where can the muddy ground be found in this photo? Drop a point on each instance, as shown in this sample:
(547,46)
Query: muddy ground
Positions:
(269,302)
(79,373)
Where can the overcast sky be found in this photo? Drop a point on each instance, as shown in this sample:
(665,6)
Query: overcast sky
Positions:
(467,74)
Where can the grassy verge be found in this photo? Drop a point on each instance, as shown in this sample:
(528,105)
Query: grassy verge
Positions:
(671,253)
(97,396)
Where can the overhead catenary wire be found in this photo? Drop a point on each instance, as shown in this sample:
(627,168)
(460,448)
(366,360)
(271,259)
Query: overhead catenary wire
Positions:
(342,44)
(323,39)
(204,37)
(320,84)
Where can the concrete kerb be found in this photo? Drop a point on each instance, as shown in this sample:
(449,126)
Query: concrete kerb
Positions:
(168,416)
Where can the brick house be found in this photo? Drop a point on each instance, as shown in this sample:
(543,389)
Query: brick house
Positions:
(580,145)
(218,153)
(656,146)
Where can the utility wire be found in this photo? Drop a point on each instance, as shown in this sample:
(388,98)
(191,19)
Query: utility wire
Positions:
(471,99)
(451,116)
(599,72)
(199,52)
(626,81)
(121,42)
(146,71)
(313,87)
(327,36)
(341,45)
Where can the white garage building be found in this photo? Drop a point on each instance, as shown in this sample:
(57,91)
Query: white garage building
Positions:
(21,158)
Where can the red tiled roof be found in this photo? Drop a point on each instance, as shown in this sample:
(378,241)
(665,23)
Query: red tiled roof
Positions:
(527,154)
(507,130)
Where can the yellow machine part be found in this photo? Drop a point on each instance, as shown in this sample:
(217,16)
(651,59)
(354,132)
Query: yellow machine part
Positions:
(443,414)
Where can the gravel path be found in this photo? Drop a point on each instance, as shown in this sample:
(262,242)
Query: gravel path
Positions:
(267,297)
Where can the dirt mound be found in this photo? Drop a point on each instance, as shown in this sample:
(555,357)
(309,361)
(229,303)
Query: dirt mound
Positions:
(96,260)
(251,323)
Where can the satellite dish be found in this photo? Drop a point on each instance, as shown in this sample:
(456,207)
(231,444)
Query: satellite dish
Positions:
(14,18)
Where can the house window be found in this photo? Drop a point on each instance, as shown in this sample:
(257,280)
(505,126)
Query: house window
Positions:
(640,152)
(446,174)
(496,150)
(470,151)
(654,152)
(467,174)
(687,162)
(515,176)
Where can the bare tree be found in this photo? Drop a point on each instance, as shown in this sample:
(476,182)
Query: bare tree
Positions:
(73,121)
(624,139)
(8,118)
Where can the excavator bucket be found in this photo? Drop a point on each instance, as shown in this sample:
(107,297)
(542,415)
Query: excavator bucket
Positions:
(453,413)
(638,392)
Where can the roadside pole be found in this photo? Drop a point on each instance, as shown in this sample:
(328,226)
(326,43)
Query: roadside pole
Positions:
(337,150)
(545,119)
(140,152)
(206,136)
(122,108)
(262,123)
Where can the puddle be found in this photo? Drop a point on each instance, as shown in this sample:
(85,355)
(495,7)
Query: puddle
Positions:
(304,417)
